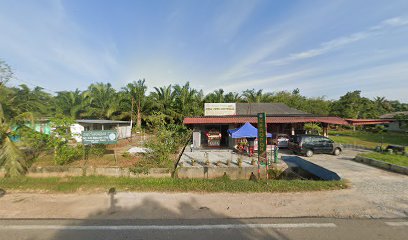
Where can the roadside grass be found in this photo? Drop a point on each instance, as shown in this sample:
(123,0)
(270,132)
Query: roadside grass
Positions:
(102,184)
(368,139)
(399,160)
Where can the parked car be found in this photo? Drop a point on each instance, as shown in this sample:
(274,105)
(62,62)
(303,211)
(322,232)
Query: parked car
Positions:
(280,139)
(311,144)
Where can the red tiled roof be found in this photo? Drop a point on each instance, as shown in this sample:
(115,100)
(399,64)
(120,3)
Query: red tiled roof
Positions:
(356,122)
(269,119)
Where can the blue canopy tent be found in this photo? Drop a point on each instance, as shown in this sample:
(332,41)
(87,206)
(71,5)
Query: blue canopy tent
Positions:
(246,131)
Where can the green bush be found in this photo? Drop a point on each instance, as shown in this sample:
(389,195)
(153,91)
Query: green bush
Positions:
(66,154)
(313,128)
(275,173)
(163,147)
(376,129)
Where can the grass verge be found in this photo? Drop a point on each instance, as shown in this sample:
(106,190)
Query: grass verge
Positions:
(399,160)
(368,139)
(102,184)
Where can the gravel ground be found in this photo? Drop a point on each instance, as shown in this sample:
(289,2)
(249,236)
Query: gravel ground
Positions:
(374,193)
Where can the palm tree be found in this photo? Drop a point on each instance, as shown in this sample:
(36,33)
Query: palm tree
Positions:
(232,97)
(11,157)
(137,94)
(35,101)
(252,96)
(103,100)
(215,97)
(71,103)
(382,104)
(5,73)
(163,100)
(188,101)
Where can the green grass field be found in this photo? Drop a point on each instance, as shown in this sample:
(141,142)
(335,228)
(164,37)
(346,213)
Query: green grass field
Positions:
(102,184)
(399,160)
(368,139)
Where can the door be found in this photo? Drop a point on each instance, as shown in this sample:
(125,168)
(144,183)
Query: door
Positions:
(327,145)
(318,144)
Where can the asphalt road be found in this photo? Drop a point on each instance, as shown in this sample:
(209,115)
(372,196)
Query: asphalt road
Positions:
(265,228)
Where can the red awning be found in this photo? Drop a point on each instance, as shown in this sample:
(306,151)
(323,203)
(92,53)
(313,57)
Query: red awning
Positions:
(269,119)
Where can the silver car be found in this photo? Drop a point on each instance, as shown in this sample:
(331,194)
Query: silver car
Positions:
(281,140)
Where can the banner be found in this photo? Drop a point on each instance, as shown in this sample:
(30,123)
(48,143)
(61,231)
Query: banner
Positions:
(261,137)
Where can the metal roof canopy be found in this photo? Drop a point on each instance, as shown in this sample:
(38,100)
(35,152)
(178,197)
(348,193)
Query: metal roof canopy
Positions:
(359,122)
(101,121)
(268,108)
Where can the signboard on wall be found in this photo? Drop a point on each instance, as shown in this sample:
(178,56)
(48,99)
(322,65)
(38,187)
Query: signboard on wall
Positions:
(219,109)
(100,137)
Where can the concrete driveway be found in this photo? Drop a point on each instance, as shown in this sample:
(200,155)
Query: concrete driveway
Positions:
(385,191)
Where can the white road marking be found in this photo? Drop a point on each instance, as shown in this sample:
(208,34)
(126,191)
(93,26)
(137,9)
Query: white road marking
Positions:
(167,227)
(397,224)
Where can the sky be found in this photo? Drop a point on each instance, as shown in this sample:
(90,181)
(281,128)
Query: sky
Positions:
(324,48)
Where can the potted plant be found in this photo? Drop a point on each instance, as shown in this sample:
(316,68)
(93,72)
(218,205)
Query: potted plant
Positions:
(193,162)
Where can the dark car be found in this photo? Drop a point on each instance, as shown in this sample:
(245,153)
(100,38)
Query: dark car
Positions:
(311,144)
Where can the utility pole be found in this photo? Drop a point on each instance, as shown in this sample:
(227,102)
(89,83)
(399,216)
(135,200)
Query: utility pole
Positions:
(131,117)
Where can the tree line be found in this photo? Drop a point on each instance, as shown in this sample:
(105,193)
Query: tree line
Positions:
(170,103)
(163,108)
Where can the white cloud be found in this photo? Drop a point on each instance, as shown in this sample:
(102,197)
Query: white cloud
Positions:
(271,82)
(334,44)
(246,65)
(49,48)
(231,17)
(371,80)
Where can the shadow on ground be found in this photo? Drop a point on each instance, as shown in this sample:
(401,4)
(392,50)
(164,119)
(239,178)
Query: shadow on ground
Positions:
(137,216)
(2,192)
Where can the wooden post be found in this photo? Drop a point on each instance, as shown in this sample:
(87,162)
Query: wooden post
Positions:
(114,154)
(325,130)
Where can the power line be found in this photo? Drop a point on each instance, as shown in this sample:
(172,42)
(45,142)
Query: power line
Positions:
(34,85)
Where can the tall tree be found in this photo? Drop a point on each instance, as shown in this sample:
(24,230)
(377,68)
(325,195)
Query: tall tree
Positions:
(252,96)
(163,100)
(137,93)
(71,103)
(11,157)
(103,100)
(232,97)
(5,73)
(187,101)
(352,105)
